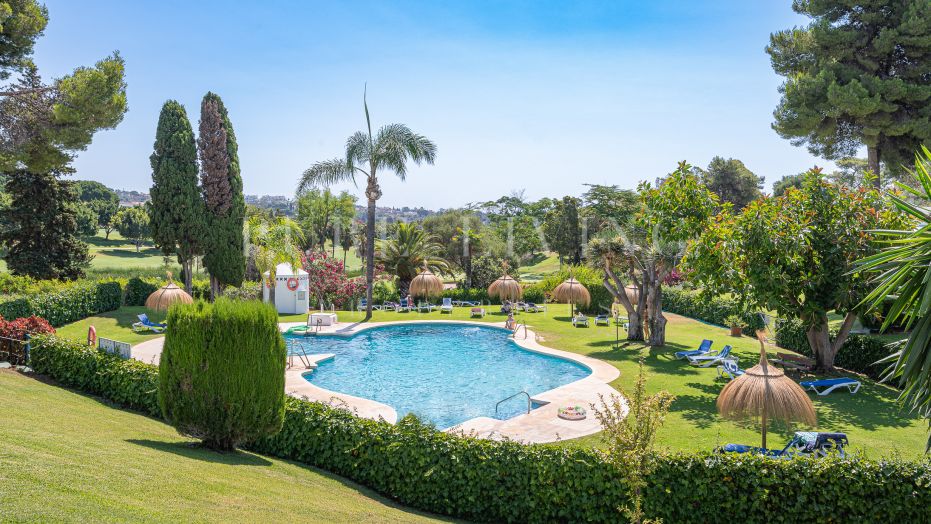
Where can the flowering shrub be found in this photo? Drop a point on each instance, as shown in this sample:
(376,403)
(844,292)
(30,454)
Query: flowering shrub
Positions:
(19,327)
(329,283)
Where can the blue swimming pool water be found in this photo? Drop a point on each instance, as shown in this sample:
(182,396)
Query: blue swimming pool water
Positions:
(443,373)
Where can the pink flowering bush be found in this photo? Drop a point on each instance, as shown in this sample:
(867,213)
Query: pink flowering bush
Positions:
(329,283)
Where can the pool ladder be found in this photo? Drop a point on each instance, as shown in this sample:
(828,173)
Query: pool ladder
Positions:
(519,393)
(293,348)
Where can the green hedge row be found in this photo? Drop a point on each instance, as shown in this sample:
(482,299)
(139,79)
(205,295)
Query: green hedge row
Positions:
(130,383)
(69,304)
(495,481)
(859,352)
(713,310)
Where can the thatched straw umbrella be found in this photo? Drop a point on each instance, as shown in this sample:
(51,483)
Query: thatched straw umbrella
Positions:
(766,391)
(426,284)
(165,296)
(505,288)
(573,292)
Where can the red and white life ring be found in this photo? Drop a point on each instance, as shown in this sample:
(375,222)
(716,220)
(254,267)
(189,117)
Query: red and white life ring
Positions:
(292,284)
(91,336)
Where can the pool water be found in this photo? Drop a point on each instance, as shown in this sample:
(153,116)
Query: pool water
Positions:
(443,373)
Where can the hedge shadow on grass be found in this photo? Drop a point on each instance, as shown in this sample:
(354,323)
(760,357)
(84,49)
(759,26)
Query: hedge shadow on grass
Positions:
(194,450)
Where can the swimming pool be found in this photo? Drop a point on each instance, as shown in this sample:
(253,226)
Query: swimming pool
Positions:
(443,373)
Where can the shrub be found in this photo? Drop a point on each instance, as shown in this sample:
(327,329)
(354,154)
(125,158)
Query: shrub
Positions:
(327,282)
(714,310)
(859,352)
(247,291)
(139,289)
(19,327)
(128,382)
(589,277)
(505,481)
(222,371)
(67,304)
(383,291)
(471,295)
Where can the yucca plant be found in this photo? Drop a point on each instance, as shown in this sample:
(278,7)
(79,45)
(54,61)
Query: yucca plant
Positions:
(903,278)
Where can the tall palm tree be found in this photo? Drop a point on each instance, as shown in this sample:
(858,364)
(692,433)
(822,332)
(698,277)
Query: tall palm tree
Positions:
(366,153)
(274,240)
(408,253)
(902,275)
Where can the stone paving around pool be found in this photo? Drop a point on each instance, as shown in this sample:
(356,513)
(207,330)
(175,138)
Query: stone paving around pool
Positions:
(538,426)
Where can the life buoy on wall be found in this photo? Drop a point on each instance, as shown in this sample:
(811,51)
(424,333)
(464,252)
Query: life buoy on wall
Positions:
(292,284)
(91,336)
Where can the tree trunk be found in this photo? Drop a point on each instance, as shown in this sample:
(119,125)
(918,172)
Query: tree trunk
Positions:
(188,277)
(215,289)
(404,287)
(872,155)
(467,267)
(656,319)
(819,340)
(344,259)
(371,192)
(617,288)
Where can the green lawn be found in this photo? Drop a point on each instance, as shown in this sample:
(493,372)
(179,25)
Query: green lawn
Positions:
(541,266)
(871,418)
(115,325)
(71,457)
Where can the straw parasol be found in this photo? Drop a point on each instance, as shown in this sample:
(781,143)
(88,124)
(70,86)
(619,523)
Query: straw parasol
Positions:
(766,391)
(573,292)
(165,296)
(505,288)
(426,284)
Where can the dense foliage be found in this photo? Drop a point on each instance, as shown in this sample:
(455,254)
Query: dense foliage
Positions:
(133,224)
(732,181)
(714,310)
(408,252)
(538,292)
(222,372)
(495,481)
(101,201)
(225,204)
(69,302)
(328,283)
(177,214)
(856,75)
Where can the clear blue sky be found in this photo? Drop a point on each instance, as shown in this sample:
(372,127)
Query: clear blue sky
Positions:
(527,95)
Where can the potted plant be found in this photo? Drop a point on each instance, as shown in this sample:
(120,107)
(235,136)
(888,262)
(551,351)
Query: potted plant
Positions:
(736,324)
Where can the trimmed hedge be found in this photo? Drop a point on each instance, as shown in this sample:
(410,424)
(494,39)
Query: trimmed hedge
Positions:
(222,371)
(507,482)
(138,289)
(130,383)
(859,352)
(715,310)
(69,304)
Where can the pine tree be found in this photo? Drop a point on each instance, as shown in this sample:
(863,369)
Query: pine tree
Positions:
(857,75)
(222,188)
(41,241)
(177,213)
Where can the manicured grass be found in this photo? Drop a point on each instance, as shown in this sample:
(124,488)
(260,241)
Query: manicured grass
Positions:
(116,325)
(71,457)
(543,265)
(872,420)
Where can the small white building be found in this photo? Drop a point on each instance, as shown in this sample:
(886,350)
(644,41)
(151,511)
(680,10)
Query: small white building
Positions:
(291,290)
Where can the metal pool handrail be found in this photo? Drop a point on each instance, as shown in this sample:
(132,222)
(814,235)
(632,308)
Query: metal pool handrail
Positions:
(512,396)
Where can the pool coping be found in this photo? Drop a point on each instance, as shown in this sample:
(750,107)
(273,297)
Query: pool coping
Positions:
(539,426)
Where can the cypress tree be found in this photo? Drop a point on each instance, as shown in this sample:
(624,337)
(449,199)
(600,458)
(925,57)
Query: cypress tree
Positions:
(177,217)
(223,198)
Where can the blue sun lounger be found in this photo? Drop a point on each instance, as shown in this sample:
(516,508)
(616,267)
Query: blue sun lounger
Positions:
(710,359)
(144,324)
(730,369)
(826,386)
(704,348)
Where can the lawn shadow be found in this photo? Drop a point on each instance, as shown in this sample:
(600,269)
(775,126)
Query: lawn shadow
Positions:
(194,450)
(100,241)
(146,252)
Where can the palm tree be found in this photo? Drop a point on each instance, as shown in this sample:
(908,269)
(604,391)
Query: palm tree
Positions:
(274,241)
(408,253)
(903,277)
(366,153)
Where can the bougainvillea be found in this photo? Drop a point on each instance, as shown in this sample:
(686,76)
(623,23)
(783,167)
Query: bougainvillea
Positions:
(328,281)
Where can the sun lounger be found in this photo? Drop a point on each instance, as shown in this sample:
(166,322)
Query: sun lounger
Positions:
(703,349)
(826,386)
(146,324)
(425,306)
(363,302)
(602,319)
(579,320)
(534,308)
(730,369)
(709,360)
(478,312)
(447,306)
(404,305)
